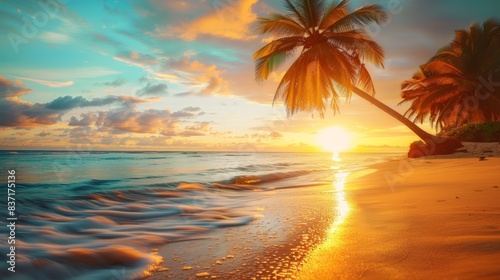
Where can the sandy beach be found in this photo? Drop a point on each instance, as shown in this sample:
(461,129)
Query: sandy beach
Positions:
(439,219)
(402,219)
(474,150)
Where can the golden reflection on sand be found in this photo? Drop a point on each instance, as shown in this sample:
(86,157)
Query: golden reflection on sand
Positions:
(342,207)
(315,263)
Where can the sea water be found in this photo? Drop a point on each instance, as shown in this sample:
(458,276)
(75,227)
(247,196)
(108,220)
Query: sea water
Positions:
(100,215)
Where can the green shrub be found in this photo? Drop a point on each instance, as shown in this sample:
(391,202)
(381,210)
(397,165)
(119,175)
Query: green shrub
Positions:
(476,132)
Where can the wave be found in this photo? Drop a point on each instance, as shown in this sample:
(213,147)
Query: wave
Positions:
(271,177)
(98,234)
(237,155)
(93,236)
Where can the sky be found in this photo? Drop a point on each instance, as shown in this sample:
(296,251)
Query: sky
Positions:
(178,75)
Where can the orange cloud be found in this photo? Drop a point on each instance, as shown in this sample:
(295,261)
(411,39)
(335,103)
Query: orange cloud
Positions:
(201,78)
(10,89)
(229,20)
(137,59)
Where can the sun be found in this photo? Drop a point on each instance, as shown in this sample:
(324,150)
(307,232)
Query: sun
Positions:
(334,139)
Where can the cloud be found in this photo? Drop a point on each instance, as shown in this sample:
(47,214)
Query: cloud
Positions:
(202,79)
(197,77)
(19,113)
(231,19)
(149,121)
(68,102)
(203,126)
(54,38)
(191,109)
(129,120)
(275,134)
(12,88)
(44,133)
(183,114)
(199,129)
(48,83)
(101,38)
(155,90)
(116,83)
(187,112)
(88,119)
(137,59)
(271,135)
(65,73)
(152,121)
(191,133)
(15,112)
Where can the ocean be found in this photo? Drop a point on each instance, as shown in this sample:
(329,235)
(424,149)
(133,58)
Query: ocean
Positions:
(87,215)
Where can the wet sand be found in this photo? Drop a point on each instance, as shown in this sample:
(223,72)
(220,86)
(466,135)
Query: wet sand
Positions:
(288,223)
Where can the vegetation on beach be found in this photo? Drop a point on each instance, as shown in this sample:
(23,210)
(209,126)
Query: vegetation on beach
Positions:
(475,132)
(472,132)
(333,49)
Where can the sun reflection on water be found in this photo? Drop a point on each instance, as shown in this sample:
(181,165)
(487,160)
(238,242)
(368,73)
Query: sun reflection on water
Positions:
(336,157)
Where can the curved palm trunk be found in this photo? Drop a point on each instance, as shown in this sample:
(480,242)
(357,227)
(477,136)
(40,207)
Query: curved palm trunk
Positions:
(435,145)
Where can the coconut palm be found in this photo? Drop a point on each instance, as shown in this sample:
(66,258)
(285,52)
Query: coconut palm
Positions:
(459,84)
(332,49)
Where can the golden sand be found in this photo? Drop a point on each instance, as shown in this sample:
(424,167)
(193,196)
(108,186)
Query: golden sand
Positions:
(416,219)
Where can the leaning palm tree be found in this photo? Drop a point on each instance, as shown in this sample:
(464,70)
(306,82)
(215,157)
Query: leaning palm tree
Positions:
(459,84)
(332,49)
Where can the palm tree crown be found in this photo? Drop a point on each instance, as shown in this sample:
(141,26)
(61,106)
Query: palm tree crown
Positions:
(333,49)
(459,84)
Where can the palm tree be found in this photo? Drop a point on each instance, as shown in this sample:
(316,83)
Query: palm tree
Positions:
(453,87)
(331,63)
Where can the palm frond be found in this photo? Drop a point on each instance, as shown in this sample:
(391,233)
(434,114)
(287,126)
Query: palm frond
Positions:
(271,56)
(336,11)
(360,43)
(278,45)
(365,80)
(329,71)
(442,66)
(311,10)
(360,18)
(292,8)
(280,25)
(448,90)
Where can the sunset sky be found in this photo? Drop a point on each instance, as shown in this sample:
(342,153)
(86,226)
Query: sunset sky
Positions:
(178,75)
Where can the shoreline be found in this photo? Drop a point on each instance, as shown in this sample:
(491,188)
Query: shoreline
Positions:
(272,245)
(290,222)
(406,219)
